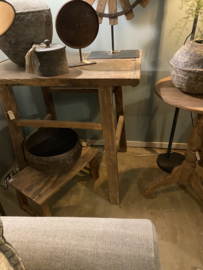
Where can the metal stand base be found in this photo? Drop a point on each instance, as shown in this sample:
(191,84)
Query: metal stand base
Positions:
(167,164)
(2,212)
(79,64)
(122,54)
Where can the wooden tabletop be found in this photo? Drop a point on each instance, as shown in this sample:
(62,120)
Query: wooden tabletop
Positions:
(107,72)
(166,91)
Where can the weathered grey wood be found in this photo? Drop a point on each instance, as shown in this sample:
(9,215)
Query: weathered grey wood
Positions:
(101,4)
(166,91)
(58,124)
(119,130)
(49,102)
(107,72)
(125,4)
(185,173)
(108,125)
(39,187)
(120,112)
(17,137)
(94,169)
(112,4)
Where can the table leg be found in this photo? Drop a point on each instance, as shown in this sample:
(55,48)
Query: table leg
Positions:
(17,137)
(94,169)
(120,111)
(108,127)
(2,212)
(45,211)
(186,172)
(49,102)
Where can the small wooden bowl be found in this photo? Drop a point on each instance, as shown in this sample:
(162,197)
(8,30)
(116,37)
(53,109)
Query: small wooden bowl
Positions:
(53,150)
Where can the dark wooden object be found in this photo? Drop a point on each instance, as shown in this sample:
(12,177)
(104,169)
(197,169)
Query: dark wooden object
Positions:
(185,173)
(39,187)
(104,76)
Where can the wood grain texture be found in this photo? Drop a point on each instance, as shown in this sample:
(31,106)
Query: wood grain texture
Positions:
(94,169)
(186,172)
(108,125)
(166,91)
(17,137)
(39,187)
(101,4)
(58,124)
(144,3)
(112,5)
(45,211)
(91,2)
(120,112)
(125,4)
(119,130)
(107,72)
(49,102)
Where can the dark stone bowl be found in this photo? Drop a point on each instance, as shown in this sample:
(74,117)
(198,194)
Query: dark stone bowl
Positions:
(53,150)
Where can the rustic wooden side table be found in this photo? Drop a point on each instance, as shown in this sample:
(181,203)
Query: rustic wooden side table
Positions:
(186,172)
(105,78)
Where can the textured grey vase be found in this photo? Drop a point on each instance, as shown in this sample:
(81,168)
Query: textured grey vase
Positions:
(187,68)
(32,25)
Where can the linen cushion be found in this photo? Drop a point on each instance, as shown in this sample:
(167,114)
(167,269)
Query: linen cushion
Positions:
(48,243)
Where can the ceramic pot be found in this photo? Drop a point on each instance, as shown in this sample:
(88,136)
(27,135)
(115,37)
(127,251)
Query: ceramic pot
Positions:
(32,25)
(187,68)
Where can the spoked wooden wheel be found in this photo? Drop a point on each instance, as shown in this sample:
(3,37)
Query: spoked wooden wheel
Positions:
(113,14)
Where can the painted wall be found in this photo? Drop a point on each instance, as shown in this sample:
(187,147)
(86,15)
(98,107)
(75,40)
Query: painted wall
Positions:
(147,118)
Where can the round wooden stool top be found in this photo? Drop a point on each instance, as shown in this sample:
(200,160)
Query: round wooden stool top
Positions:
(166,91)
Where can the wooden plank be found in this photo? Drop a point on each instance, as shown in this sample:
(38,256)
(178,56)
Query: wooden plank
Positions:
(107,72)
(39,186)
(72,90)
(49,102)
(101,8)
(120,111)
(91,2)
(45,211)
(119,130)
(94,169)
(47,117)
(17,137)
(112,4)
(144,3)
(125,4)
(108,125)
(58,124)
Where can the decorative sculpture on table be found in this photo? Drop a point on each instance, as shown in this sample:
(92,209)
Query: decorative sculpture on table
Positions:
(23,24)
(77,26)
(113,20)
(187,68)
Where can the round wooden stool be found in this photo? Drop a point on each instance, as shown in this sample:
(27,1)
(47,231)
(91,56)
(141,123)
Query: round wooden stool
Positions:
(186,172)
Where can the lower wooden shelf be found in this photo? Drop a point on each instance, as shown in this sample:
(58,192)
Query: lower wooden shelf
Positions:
(39,187)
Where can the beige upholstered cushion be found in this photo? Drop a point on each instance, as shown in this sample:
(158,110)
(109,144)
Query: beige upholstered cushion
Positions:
(9,258)
(83,243)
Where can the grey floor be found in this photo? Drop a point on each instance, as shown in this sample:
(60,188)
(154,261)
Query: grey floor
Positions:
(177,213)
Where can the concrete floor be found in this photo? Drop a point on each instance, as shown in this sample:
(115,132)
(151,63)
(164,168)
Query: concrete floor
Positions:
(177,213)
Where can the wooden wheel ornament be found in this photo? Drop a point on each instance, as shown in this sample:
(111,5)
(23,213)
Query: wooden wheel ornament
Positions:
(112,7)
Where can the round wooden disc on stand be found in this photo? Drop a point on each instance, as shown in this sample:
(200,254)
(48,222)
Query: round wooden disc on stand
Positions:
(77,25)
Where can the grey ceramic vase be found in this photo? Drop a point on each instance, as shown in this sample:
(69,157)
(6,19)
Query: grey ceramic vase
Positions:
(187,68)
(32,25)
